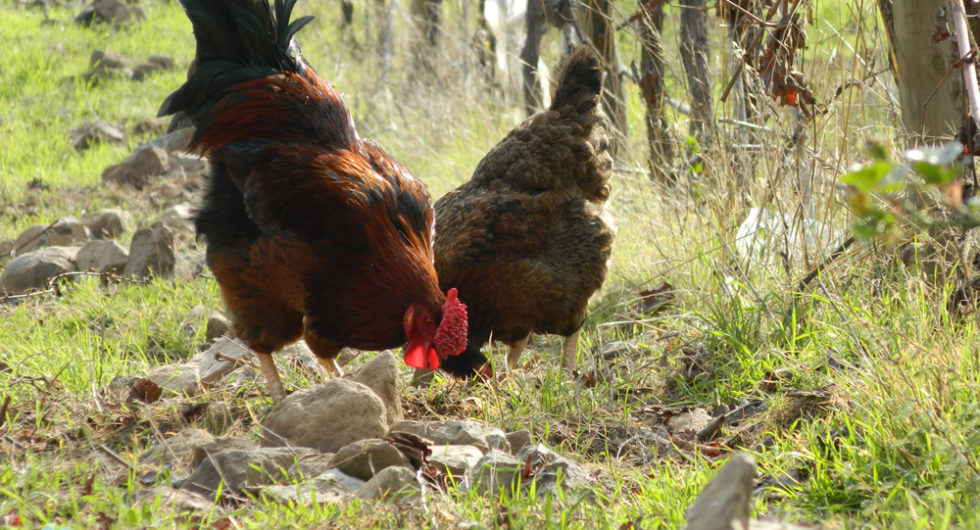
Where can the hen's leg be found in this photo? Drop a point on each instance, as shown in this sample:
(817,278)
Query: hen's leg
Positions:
(568,351)
(516,349)
(271,376)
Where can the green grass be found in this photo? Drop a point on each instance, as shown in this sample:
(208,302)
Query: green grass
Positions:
(43,98)
(891,442)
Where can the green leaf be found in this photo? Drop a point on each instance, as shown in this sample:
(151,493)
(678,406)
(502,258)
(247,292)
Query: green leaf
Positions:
(868,177)
(936,174)
(864,230)
(878,151)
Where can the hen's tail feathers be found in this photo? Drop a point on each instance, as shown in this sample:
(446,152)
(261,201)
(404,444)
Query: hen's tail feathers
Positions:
(579,81)
(237,41)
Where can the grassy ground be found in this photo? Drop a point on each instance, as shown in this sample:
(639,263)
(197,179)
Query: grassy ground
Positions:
(871,386)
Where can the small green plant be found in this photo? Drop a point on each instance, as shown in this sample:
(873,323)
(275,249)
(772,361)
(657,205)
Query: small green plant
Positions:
(894,197)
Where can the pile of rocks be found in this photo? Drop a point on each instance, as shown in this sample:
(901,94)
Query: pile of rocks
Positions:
(68,245)
(343,439)
(42,253)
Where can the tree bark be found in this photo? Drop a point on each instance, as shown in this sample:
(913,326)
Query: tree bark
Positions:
(484,45)
(426,14)
(535,24)
(540,15)
(383,12)
(932,109)
(652,86)
(601,31)
(694,55)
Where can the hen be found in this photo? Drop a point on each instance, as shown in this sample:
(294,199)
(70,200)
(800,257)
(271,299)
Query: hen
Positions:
(312,232)
(524,241)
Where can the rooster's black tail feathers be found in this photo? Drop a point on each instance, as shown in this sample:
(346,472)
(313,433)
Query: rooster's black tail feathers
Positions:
(237,40)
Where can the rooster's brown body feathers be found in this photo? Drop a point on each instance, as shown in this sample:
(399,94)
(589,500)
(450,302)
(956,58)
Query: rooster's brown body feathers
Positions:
(312,232)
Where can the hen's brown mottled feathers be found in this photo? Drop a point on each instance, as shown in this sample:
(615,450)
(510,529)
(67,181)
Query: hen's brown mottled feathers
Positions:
(523,240)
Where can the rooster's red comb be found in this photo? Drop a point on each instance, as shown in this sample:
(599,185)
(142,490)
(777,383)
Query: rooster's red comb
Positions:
(450,336)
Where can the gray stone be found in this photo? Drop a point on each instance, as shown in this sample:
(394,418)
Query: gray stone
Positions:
(102,256)
(109,223)
(178,218)
(393,484)
(35,269)
(93,132)
(693,420)
(547,468)
(6,248)
(494,471)
(365,458)
(455,460)
(200,371)
(219,416)
(456,432)
(67,232)
(64,232)
(518,439)
(199,452)
(151,253)
(30,240)
(162,61)
(175,141)
(177,449)
(723,504)
(304,494)
(187,166)
(120,387)
(326,417)
(330,486)
(299,354)
(237,469)
(136,170)
(113,11)
(143,70)
(174,500)
(218,326)
(340,480)
(105,65)
(380,374)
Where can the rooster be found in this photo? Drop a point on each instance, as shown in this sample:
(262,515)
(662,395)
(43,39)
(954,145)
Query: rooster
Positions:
(524,240)
(311,231)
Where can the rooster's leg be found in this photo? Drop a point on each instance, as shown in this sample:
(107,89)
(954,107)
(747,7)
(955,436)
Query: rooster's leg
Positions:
(271,376)
(326,350)
(331,366)
(516,349)
(568,351)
